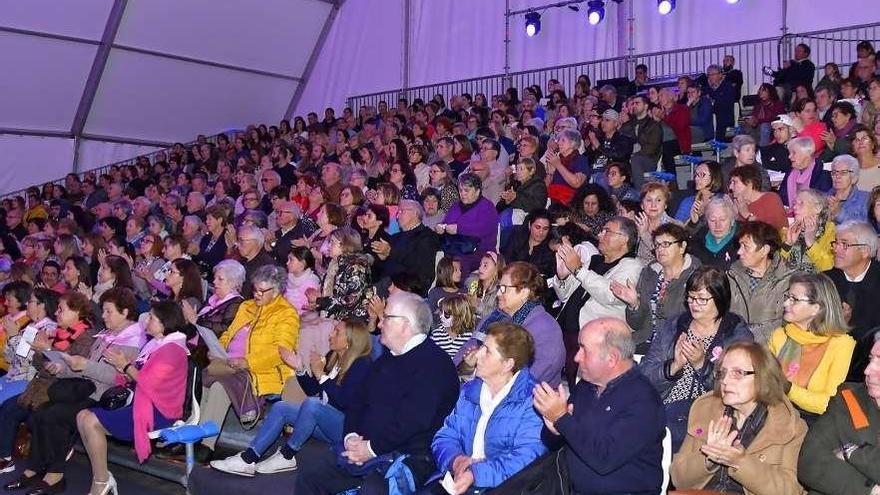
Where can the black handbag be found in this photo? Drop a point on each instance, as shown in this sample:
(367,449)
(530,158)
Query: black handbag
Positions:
(116,397)
(70,390)
(459,244)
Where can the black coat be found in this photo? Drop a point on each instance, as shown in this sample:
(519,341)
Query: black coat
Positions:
(412,251)
(865,320)
(517,249)
(722,259)
(530,195)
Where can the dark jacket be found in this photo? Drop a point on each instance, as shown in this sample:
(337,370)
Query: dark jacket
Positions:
(723,98)
(648,133)
(701,116)
(722,259)
(404,400)
(618,148)
(865,320)
(774,156)
(530,196)
(517,249)
(671,306)
(339,395)
(412,251)
(820,180)
(655,364)
(799,72)
(614,440)
(250,266)
(283,243)
(351,289)
(219,319)
(820,470)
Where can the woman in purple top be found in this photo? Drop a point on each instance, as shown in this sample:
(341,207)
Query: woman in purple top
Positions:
(473,215)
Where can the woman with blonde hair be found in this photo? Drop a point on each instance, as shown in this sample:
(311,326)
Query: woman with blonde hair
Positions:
(336,376)
(455,325)
(745,436)
(482,285)
(812,346)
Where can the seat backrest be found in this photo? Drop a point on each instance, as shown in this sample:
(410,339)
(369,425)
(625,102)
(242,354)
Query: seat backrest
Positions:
(191,411)
(666,461)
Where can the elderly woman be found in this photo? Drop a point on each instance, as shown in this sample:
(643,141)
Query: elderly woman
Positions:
(808,239)
(812,346)
(332,381)
(745,436)
(51,441)
(865,149)
(682,358)
(567,169)
(655,200)
(473,217)
(347,290)
(519,301)
(261,327)
(659,295)
(752,204)
(527,193)
(846,202)
(160,373)
(41,305)
(73,335)
(838,140)
(715,244)
(759,278)
(220,309)
(806,172)
(708,183)
(510,441)
(744,152)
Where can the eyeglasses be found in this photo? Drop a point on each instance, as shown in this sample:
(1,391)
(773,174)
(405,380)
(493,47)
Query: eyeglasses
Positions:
(701,175)
(606,230)
(665,244)
(843,245)
(789,297)
(699,301)
(385,316)
(840,173)
(502,289)
(262,292)
(735,374)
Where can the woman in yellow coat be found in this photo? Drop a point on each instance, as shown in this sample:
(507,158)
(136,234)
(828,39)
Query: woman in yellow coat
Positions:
(808,239)
(812,346)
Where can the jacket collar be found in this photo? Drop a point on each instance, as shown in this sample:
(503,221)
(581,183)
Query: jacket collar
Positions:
(781,426)
(520,390)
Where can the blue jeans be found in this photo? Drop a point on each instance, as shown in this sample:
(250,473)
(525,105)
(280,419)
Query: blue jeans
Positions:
(311,418)
(506,220)
(11,388)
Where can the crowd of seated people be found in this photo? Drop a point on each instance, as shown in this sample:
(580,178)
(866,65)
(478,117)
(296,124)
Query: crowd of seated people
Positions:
(450,295)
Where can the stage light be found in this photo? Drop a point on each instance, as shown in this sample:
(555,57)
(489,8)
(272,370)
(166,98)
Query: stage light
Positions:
(731,2)
(665,6)
(595,11)
(533,24)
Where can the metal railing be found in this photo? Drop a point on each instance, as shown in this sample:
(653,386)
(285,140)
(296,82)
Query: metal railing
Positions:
(829,45)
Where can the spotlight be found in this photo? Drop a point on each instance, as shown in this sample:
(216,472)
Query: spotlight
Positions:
(533,24)
(595,11)
(731,2)
(666,6)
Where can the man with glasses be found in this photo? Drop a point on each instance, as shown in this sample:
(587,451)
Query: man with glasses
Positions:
(287,218)
(723,96)
(490,170)
(249,242)
(413,250)
(616,261)
(857,279)
(269,180)
(411,389)
(445,153)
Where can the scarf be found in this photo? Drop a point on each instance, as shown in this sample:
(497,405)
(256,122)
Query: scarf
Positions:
(721,481)
(518,317)
(130,336)
(801,354)
(173,338)
(798,180)
(215,301)
(65,336)
(714,246)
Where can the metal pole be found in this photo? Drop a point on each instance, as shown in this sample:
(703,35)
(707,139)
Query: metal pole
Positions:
(407,13)
(507,15)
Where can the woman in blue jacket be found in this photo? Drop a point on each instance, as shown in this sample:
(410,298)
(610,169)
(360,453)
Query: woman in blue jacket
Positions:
(494,431)
(331,382)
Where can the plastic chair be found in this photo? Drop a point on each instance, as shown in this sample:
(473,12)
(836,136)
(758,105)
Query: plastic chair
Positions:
(188,435)
(666,461)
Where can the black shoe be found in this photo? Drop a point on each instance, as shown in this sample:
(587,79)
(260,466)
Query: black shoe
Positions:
(24,482)
(203,454)
(43,488)
(177,452)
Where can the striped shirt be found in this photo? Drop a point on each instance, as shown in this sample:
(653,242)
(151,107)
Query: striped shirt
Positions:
(447,342)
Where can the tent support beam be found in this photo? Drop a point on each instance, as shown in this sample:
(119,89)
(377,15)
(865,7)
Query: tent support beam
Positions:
(313,60)
(97,71)
(49,36)
(35,132)
(126,140)
(208,63)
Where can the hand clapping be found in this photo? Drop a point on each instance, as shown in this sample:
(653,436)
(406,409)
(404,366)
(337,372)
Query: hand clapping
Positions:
(721,446)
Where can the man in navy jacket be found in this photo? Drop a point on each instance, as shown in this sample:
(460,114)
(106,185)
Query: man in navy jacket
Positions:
(411,389)
(614,422)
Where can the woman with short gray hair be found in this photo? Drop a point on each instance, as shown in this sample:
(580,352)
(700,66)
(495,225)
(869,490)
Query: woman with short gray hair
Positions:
(807,172)
(567,168)
(846,202)
(715,244)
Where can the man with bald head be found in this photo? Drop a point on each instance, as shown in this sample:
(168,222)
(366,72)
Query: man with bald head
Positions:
(613,423)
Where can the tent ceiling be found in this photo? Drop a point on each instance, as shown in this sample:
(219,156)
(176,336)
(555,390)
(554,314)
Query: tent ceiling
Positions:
(149,72)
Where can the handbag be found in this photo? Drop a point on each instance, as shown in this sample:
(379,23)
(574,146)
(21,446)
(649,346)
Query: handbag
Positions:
(459,244)
(116,397)
(70,390)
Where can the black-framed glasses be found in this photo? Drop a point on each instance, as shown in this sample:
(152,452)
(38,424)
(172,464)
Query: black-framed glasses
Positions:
(502,289)
(261,292)
(840,173)
(665,244)
(606,230)
(789,297)
(699,301)
(735,374)
(845,245)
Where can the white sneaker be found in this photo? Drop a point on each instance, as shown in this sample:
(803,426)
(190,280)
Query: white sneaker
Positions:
(276,463)
(235,465)
(7,466)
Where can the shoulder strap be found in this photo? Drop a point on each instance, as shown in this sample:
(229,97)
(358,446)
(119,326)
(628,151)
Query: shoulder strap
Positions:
(856,414)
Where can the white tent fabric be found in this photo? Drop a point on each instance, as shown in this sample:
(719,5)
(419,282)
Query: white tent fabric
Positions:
(460,39)
(172,70)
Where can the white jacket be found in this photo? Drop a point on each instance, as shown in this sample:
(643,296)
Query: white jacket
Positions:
(602,302)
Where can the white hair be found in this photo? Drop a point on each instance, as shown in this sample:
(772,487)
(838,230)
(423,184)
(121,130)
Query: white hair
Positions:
(722,202)
(864,233)
(414,309)
(233,271)
(803,145)
(850,161)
